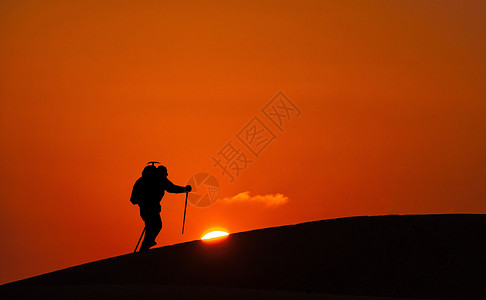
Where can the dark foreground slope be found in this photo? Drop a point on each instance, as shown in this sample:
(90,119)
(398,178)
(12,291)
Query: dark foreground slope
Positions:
(416,256)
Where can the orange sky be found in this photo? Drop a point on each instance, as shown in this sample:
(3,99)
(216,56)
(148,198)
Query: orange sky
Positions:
(391,92)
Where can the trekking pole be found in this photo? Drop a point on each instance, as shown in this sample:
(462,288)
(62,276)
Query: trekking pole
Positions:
(184,220)
(139,240)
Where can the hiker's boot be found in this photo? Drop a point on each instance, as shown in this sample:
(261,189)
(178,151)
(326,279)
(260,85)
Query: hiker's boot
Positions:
(147,245)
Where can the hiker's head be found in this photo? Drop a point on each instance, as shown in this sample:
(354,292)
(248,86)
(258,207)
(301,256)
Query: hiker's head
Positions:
(162,171)
(149,172)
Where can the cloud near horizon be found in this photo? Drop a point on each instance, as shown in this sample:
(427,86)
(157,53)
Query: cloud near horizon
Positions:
(269,200)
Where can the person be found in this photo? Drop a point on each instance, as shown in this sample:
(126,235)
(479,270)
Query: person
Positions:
(147,193)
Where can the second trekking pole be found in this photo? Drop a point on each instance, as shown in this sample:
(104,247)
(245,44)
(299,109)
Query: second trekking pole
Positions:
(139,240)
(184,220)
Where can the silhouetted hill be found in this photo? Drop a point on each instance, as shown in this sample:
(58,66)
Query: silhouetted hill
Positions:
(417,256)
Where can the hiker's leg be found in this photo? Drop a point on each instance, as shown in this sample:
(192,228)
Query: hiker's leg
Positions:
(157,224)
(153,225)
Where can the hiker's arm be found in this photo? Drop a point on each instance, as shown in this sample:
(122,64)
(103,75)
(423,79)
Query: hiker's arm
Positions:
(172,188)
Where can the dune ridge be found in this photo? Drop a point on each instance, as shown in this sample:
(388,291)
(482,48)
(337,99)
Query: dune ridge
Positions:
(408,256)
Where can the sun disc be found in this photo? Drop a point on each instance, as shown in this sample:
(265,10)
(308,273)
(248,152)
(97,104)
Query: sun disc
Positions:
(214,234)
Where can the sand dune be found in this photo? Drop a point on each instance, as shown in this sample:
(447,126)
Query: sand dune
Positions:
(413,256)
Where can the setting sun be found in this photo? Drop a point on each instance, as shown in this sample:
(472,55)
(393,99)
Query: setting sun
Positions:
(214,234)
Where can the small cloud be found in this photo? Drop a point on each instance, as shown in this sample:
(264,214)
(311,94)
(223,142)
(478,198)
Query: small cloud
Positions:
(269,200)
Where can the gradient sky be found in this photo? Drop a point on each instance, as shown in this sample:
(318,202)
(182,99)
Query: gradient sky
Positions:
(392,95)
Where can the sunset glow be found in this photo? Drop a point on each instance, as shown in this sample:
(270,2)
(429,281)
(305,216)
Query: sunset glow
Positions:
(214,234)
(388,118)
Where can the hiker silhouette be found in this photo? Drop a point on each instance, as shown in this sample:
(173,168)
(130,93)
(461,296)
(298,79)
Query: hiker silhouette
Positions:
(147,193)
